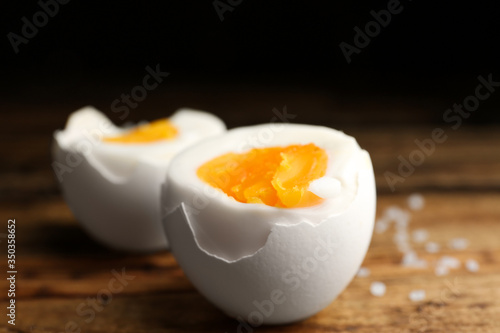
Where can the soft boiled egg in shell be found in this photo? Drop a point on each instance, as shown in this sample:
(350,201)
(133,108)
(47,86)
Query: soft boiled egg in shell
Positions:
(112,183)
(264,264)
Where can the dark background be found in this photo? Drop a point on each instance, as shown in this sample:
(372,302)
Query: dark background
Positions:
(264,54)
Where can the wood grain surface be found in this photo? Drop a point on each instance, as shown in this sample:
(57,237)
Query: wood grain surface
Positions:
(60,267)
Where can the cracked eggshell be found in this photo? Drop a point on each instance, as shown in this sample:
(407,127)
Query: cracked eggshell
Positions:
(114,189)
(262,264)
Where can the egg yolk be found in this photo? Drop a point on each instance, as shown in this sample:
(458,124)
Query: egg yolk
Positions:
(275,176)
(161,129)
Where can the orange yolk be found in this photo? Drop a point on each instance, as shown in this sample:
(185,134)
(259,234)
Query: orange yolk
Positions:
(277,176)
(157,130)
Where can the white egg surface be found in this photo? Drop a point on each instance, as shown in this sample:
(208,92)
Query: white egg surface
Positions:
(112,188)
(263,264)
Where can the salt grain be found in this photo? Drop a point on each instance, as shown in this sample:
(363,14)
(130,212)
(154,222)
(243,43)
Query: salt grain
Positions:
(432,247)
(381,226)
(410,259)
(445,263)
(416,201)
(400,237)
(363,272)
(472,265)
(417,295)
(401,241)
(420,235)
(450,262)
(326,187)
(459,243)
(441,270)
(402,222)
(377,289)
(395,213)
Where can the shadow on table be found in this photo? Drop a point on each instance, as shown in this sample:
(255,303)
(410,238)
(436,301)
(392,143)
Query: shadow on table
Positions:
(189,311)
(67,240)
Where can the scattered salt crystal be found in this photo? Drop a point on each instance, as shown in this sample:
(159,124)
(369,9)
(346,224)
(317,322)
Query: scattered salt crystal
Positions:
(381,226)
(432,247)
(449,262)
(458,243)
(416,295)
(416,201)
(400,237)
(420,235)
(441,270)
(395,213)
(472,265)
(445,263)
(402,222)
(410,259)
(363,272)
(401,240)
(377,289)
(326,187)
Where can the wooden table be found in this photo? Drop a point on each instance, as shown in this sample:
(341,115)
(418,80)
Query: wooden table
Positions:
(60,267)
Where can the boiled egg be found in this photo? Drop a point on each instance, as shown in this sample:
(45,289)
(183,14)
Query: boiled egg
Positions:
(271,222)
(110,176)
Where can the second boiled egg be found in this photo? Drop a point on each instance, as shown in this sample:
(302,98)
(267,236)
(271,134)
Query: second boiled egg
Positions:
(110,176)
